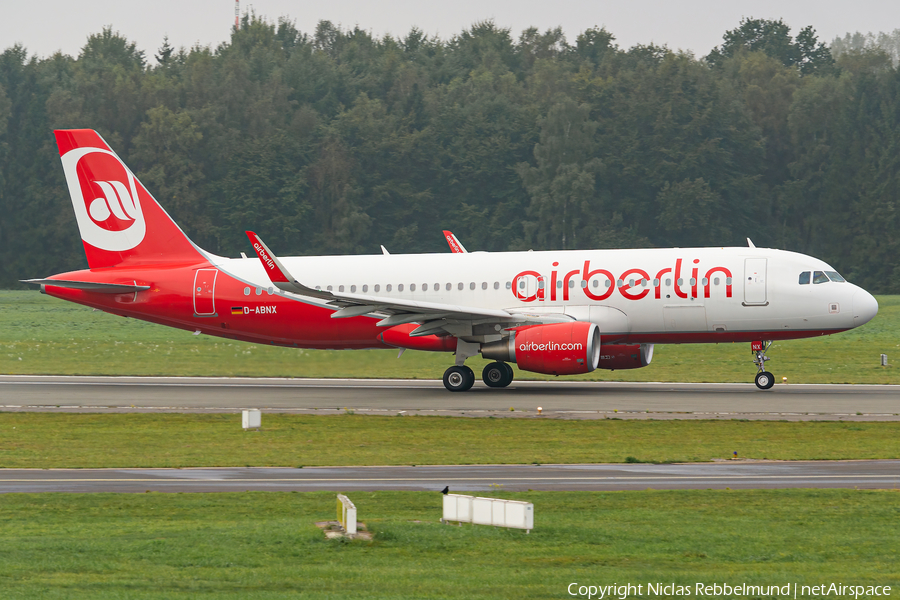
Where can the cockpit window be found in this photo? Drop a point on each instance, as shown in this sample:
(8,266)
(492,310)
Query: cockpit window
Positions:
(820,277)
(834,276)
(804,278)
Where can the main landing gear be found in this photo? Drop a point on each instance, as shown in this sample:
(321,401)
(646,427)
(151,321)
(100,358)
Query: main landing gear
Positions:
(497,375)
(764,379)
(460,378)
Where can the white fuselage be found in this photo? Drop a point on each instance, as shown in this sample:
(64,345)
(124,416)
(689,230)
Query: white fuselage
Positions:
(650,295)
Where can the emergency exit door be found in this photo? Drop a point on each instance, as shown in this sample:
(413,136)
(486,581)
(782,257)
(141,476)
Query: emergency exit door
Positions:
(755,282)
(205,292)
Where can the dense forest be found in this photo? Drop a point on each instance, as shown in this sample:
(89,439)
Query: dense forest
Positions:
(336,141)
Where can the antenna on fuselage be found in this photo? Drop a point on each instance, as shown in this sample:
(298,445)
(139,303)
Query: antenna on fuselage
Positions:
(750,243)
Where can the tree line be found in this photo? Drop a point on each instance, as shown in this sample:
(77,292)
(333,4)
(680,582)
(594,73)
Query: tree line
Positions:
(337,141)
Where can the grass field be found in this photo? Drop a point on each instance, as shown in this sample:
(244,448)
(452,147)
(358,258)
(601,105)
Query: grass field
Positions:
(44,335)
(50,440)
(265,545)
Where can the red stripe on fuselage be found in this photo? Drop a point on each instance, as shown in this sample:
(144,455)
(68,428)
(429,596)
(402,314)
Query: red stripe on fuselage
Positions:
(285,321)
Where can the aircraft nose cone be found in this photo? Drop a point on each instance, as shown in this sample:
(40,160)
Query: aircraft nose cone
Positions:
(865,307)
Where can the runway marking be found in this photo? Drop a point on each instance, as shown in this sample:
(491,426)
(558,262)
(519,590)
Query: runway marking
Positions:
(381,479)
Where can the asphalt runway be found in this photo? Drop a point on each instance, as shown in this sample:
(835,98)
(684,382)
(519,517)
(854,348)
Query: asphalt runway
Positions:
(875,474)
(563,399)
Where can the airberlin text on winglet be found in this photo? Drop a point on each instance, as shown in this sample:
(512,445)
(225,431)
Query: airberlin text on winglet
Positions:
(631,278)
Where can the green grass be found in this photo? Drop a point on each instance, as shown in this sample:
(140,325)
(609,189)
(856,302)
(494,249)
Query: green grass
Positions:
(265,545)
(44,335)
(49,440)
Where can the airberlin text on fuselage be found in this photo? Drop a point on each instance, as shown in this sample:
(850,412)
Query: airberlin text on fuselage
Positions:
(633,284)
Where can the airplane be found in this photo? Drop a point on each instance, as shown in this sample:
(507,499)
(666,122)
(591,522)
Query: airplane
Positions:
(560,312)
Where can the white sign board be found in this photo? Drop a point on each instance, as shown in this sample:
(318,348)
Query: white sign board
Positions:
(488,511)
(251,419)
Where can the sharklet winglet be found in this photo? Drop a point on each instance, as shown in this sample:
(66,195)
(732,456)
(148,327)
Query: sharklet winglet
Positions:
(278,273)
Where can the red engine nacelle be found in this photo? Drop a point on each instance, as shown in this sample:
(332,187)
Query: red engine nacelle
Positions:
(556,349)
(625,356)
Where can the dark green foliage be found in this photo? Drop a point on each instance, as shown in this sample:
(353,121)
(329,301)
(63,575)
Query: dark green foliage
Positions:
(334,141)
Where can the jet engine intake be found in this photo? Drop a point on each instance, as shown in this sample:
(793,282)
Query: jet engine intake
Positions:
(554,349)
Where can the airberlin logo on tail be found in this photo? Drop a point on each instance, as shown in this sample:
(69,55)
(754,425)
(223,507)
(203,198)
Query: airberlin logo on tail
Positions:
(105,197)
(116,201)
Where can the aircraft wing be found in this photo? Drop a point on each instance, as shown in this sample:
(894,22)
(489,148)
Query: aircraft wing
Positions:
(433,316)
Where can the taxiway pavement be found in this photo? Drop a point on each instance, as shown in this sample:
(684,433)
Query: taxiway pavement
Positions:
(874,474)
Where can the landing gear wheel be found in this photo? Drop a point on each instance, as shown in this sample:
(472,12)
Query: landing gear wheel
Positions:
(459,379)
(764,380)
(509,373)
(497,375)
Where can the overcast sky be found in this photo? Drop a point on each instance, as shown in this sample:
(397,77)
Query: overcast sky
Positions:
(45,26)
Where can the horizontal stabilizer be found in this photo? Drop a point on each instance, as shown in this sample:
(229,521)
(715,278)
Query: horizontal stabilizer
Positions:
(90,286)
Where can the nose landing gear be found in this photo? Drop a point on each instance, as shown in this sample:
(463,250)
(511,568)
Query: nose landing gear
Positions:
(764,379)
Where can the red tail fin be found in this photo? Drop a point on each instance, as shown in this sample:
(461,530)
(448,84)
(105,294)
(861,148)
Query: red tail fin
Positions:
(119,221)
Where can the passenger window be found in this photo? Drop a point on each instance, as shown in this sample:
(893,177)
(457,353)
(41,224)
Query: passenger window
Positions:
(387,287)
(833,275)
(399,287)
(412,287)
(484,285)
(449,286)
(377,287)
(340,288)
(508,285)
(820,277)
(496,285)
(804,278)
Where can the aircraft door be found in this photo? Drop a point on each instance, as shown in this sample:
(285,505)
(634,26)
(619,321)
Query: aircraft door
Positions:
(205,292)
(755,282)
